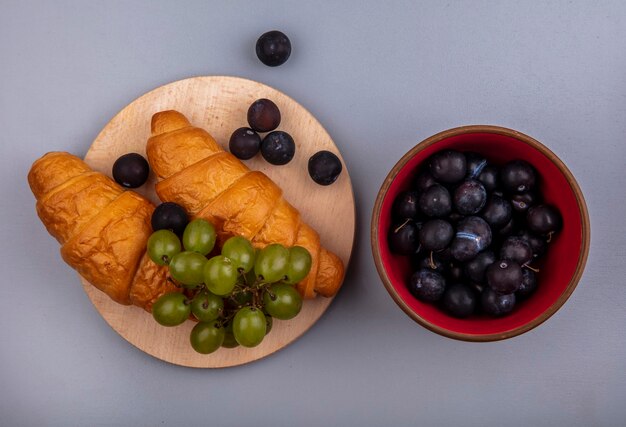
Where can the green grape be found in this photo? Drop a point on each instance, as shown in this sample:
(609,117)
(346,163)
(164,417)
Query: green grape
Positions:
(249,326)
(187,268)
(220,275)
(199,236)
(299,264)
(271,263)
(206,306)
(286,303)
(239,299)
(269,322)
(171,309)
(207,337)
(247,279)
(229,338)
(240,251)
(162,246)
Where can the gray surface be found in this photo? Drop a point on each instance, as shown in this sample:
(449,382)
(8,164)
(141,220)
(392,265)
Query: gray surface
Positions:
(380,78)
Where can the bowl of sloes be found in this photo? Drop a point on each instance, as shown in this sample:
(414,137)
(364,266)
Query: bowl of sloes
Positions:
(480,233)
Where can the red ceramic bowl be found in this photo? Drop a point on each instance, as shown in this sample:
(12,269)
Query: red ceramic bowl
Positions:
(561,267)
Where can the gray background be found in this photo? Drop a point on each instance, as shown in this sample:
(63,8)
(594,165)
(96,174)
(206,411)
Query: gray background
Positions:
(380,76)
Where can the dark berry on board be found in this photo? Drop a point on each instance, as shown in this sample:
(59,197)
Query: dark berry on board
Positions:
(544,219)
(427,285)
(273,48)
(459,300)
(244,143)
(475,268)
(497,212)
(131,170)
(470,197)
(448,166)
(324,167)
(405,205)
(263,115)
(169,216)
(436,201)
(278,148)
(504,277)
(518,176)
(435,234)
(496,304)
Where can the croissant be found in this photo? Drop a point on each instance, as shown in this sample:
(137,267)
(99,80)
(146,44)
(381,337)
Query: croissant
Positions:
(195,172)
(103,229)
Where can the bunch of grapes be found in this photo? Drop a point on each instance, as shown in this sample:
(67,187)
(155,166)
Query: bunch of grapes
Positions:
(235,294)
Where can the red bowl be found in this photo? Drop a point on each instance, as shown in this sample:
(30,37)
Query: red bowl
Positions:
(561,268)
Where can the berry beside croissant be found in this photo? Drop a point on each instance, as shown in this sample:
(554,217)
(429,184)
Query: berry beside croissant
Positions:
(103,229)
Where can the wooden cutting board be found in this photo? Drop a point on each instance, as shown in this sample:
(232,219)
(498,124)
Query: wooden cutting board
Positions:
(219,104)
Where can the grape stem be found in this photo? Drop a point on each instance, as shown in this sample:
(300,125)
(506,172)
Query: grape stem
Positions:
(536,270)
(173,282)
(401,225)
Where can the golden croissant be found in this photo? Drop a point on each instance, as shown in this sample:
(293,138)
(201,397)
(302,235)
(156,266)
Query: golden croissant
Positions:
(103,229)
(210,183)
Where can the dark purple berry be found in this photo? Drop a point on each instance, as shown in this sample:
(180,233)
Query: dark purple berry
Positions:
(427,285)
(544,219)
(516,249)
(405,206)
(403,238)
(263,115)
(423,180)
(244,143)
(497,212)
(537,244)
(448,166)
(473,235)
(436,201)
(430,262)
(504,277)
(273,48)
(325,167)
(529,283)
(518,176)
(169,216)
(459,300)
(475,164)
(131,170)
(508,229)
(475,268)
(523,201)
(278,148)
(435,234)
(470,197)
(496,304)
(489,177)
(455,273)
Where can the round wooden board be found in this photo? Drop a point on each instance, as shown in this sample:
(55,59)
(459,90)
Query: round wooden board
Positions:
(219,104)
